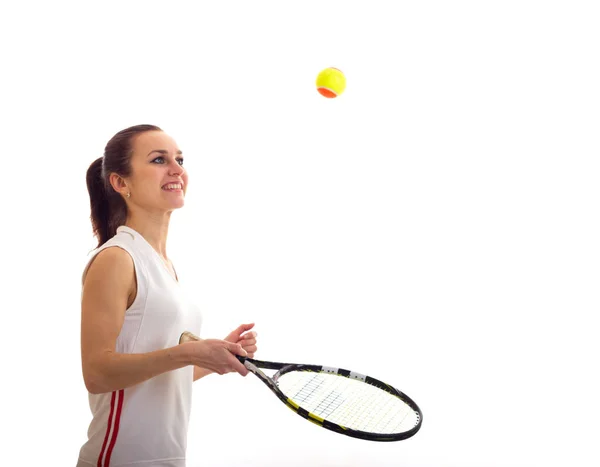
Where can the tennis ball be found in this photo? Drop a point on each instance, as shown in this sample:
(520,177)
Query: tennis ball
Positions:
(331,82)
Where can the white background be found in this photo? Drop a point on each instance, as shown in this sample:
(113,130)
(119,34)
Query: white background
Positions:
(436,226)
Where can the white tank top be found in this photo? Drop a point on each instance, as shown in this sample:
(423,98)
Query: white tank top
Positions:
(146,424)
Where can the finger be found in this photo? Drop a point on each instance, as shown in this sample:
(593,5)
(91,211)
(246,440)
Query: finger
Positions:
(246,342)
(246,327)
(239,367)
(250,335)
(241,329)
(250,347)
(236,349)
(251,350)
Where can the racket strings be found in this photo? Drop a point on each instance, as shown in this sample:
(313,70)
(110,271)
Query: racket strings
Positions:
(347,402)
(312,389)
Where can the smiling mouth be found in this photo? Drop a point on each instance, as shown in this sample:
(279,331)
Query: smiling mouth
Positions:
(173,187)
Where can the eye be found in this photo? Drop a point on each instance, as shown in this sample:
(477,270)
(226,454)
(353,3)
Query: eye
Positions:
(161,160)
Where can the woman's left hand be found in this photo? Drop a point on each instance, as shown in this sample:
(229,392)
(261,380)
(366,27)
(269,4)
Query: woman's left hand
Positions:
(246,338)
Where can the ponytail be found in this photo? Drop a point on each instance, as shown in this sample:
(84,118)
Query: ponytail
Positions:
(98,201)
(108,210)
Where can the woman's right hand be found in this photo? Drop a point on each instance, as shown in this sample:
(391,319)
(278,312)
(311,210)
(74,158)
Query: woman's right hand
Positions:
(216,355)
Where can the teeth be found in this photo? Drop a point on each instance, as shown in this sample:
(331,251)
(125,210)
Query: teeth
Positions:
(173,186)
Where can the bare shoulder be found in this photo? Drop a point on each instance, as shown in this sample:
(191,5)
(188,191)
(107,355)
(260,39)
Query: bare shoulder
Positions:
(112,267)
(109,288)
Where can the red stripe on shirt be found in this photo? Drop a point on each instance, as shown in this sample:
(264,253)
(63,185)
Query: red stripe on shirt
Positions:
(113,439)
(110,416)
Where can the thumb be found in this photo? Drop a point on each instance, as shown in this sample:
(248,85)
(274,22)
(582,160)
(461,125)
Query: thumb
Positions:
(241,329)
(245,327)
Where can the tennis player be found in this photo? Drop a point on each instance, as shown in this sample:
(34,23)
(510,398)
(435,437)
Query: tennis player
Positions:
(138,376)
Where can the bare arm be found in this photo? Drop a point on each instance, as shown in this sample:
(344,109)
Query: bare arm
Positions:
(201,372)
(107,287)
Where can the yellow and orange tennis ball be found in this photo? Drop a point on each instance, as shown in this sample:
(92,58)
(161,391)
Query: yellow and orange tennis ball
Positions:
(331,82)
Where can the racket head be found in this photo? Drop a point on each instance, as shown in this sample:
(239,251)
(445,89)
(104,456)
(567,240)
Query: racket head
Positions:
(348,403)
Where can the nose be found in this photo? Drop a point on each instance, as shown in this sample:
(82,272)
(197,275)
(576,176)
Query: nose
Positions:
(175,168)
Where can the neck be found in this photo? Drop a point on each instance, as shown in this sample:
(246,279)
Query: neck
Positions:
(155,229)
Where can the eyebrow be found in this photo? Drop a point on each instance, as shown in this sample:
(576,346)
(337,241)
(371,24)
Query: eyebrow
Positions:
(163,152)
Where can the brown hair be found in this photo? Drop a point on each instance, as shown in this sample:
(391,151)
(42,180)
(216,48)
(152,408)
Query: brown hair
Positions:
(108,208)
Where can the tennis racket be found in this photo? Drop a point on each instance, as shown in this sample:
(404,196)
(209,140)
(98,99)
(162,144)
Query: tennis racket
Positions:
(339,400)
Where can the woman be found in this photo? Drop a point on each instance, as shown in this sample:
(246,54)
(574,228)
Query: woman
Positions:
(138,376)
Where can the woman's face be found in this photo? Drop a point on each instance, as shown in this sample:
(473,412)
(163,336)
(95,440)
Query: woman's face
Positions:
(159,180)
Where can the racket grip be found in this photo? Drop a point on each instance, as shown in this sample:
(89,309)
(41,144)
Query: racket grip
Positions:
(187,336)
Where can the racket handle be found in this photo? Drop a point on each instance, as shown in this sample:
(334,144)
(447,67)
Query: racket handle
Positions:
(187,336)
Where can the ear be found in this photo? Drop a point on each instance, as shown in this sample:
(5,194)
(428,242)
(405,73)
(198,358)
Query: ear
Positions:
(118,183)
